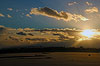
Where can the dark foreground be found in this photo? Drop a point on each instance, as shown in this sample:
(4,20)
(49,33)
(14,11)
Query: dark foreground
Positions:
(47,49)
(50,59)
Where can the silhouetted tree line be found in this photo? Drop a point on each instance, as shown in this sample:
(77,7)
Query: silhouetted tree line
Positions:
(30,49)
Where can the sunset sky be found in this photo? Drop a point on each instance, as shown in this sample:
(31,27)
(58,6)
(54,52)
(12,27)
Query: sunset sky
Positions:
(80,20)
(50,13)
(50,32)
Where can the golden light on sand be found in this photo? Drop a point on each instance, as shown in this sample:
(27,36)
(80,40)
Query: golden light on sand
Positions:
(88,33)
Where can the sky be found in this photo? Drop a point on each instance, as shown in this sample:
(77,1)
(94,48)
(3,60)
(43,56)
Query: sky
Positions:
(16,16)
(10,37)
(82,14)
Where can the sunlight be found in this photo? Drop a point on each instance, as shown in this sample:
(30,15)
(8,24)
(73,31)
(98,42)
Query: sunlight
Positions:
(84,19)
(88,33)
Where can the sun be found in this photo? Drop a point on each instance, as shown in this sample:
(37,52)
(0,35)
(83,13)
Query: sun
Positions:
(88,33)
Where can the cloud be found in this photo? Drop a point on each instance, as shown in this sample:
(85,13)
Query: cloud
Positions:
(28,15)
(1,26)
(23,13)
(88,3)
(3,29)
(26,9)
(67,37)
(72,3)
(26,29)
(20,29)
(92,10)
(9,16)
(1,15)
(21,33)
(57,15)
(17,10)
(10,9)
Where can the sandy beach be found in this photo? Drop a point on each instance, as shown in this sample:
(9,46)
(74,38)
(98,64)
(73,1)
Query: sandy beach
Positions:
(50,59)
